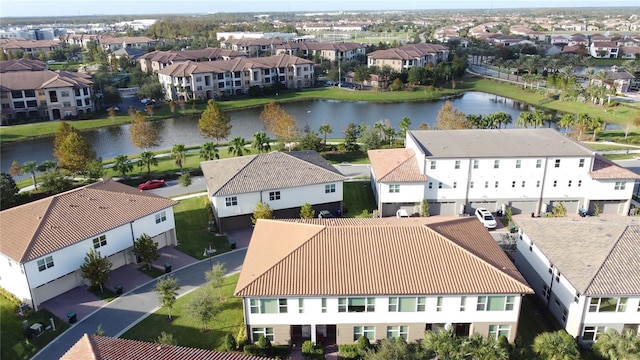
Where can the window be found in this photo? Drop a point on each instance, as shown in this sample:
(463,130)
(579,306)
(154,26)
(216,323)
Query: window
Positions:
(394,332)
(440,185)
(538,163)
(463,303)
(44,264)
(457,166)
(64,93)
(66,104)
(439,304)
(620,185)
(471,185)
(579,183)
(367,331)
(496,164)
(231,201)
(268,306)
(324,305)
(403,304)
(422,304)
(282,306)
(569,183)
(79,102)
(455,184)
(16,94)
(518,164)
(496,184)
(161,217)
(581,163)
(496,331)
(523,183)
(433,165)
(256,333)
(546,291)
(357,304)
(430,185)
(53,96)
(608,304)
(394,188)
(513,184)
(274,195)
(476,164)
(329,188)
(486,184)
(565,314)
(591,333)
(301,306)
(555,183)
(557,163)
(495,303)
(100,241)
(538,183)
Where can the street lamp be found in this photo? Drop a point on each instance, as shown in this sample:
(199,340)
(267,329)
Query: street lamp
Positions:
(209,252)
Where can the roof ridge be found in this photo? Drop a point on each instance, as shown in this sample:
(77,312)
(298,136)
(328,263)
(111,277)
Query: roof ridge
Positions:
(38,229)
(289,153)
(402,163)
(611,249)
(237,172)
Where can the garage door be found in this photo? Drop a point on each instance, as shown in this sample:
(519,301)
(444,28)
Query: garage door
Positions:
(161,240)
(523,207)
(442,208)
(607,206)
(492,206)
(389,209)
(56,287)
(570,205)
(117,260)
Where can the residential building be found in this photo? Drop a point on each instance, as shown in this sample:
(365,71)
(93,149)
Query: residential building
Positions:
(585,271)
(158,60)
(617,78)
(528,170)
(22,65)
(33,47)
(329,51)
(113,43)
(108,348)
(52,95)
(283,180)
(253,46)
(333,280)
(214,79)
(408,56)
(604,49)
(44,242)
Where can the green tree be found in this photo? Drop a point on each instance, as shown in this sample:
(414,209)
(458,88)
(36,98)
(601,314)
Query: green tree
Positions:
(147,159)
(566,121)
(146,249)
(96,269)
(166,339)
(404,126)
(31,167)
(237,146)
(261,142)
(484,348)
(202,307)
(370,139)
(557,345)
(361,74)
(262,211)
(424,208)
(209,151)
(613,346)
(15,169)
(185,180)
(75,153)
(230,343)
(142,133)
(53,182)
(47,165)
(525,119)
(95,170)
(167,288)
(215,277)
(325,129)
(310,141)
(122,165)
(307,212)
(280,123)
(214,123)
(151,90)
(444,344)
(351,137)
(8,191)
(179,152)
(64,129)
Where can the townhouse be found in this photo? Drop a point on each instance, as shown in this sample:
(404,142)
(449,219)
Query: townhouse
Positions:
(584,270)
(328,51)
(158,60)
(528,170)
(209,80)
(604,49)
(33,47)
(333,280)
(44,242)
(253,46)
(408,56)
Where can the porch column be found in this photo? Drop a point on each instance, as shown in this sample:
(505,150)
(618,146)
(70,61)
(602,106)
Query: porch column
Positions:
(313,333)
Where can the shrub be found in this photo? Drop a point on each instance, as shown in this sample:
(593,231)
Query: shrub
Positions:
(230,343)
(9,296)
(310,351)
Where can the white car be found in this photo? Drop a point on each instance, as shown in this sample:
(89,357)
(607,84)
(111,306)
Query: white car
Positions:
(486,218)
(402,213)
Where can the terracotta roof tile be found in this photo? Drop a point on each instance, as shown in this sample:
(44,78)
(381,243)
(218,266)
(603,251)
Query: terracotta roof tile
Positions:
(106,348)
(317,257)
(38,228)
(604,169)
(395,165)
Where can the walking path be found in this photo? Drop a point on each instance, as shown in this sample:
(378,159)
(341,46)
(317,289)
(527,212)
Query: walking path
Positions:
(130,308)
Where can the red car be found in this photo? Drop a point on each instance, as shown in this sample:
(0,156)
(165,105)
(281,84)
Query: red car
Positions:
(151,184)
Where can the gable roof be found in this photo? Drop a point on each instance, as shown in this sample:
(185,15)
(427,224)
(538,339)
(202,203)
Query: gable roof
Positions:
(187,68)
(274,170)
(38,228)
(30,80)
(395,165)
(343,257)
(605,169)
(22,65)
(597,255)
(409,52)
(92,347)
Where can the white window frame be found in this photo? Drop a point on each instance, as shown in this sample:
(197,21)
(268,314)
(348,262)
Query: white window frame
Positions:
(45,263)
(329,188)
(457,164)
(394,188)
(100,241)
(367,331)
(595,330)
(161,217)
(499,329)
(231,201)
(394,332)
(256,332)
(620,185)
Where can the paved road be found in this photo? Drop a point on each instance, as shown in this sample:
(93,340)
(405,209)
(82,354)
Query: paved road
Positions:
(117,316)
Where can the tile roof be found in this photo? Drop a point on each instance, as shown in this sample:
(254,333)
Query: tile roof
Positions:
(30,80)
(22,65)
(193,55)
(395,165)
(342,257)
(597,255)
(604,169)
(479,143)
(274,170)
(41,227)
(408,52)
(238,64)
(92,347)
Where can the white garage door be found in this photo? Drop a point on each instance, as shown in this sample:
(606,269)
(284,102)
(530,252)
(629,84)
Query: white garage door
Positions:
(117,260)
(607,206)
(570,205)
(161,240)
(442,208)
(492,206)
(523,207)
(56,287)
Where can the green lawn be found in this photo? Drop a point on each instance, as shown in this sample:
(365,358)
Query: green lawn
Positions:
(533,321)
(191,228)
(352,157)
(13,345)
(357,197)
(186,331)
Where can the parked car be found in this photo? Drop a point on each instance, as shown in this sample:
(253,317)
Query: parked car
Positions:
(402,213)
(325,214)
(152,184)
(486,218)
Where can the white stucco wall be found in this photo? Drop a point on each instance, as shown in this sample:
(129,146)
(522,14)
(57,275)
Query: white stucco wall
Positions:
(12,278)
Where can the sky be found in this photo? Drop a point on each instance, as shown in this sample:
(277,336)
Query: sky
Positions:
(37,8)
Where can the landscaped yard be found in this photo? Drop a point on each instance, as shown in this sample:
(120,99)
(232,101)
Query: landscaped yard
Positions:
(13,344)
(533,321)
(188,332)
(191,228)
(357,197)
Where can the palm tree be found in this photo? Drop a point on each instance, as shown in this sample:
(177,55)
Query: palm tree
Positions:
(444,343)
(325,129)
(484,348)
(236,146)
(524,119)
(612,345)
(501,118)
(261,142)
(596,124)
(47,165)
(122,165)
(31,167)
(147,159)
(180,153)
(538,118)
(476,121)
(557,345)
(209,151)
